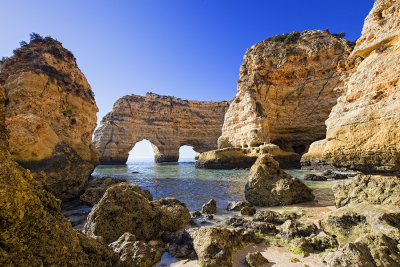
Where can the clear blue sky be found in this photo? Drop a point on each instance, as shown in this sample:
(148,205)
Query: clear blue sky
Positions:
(191,49)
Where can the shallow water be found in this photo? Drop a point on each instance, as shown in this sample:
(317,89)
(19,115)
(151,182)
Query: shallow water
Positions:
(188,184)
(182,181)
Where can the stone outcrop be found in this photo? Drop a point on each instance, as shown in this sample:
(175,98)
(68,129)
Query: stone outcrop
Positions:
(243,158)
(363,129)
(127,208)
(367,251)
(286,89)
(167,122)
(350,222)
(33,231)
(136,253)
(215,246)
(269,185)
(51,116)
(373,189)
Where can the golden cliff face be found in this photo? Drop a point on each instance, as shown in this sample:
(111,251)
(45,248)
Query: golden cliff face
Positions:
(167,122)
(51,115)
(287,87)
(33,231)
(363,129)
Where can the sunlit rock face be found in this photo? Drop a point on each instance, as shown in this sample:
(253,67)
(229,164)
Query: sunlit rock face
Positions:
(286,89)
(51,116)
(363,129)
(33,231)
(167,122)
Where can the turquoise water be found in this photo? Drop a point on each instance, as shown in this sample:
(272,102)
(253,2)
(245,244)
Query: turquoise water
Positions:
(186,183)
(182,181)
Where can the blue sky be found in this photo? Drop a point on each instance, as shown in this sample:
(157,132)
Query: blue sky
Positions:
(191,49)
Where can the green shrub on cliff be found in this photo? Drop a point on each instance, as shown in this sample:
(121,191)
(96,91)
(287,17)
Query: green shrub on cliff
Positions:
(285,38)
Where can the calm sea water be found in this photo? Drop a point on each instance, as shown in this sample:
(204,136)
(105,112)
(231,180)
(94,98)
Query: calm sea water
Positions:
(185,182)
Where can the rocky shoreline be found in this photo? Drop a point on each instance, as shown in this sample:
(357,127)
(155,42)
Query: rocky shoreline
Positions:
(309,98)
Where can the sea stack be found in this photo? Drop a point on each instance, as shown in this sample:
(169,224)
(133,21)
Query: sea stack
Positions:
(363,129)
(51,115)
(286,89)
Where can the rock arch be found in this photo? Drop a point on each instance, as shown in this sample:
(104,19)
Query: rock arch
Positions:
(167,122)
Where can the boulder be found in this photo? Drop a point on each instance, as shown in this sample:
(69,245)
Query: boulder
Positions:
(124,209)
(215,246)
(174,214)
(96,189)
(269,185)
(373,189)
(255,259)
(136,253)
(248,211)
(210,207)
(238,205)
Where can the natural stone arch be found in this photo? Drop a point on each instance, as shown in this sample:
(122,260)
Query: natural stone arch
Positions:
(167,122)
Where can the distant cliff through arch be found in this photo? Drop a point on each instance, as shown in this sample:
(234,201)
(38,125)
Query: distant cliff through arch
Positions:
(167,122)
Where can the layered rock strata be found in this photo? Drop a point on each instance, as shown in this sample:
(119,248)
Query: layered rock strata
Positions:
(167,122)
(363,129)
(51,116)
(33,231)
(286,89)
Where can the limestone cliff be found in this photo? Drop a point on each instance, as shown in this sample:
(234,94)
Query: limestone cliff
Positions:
(286,89)
(167,122)
(363,129)
(51,115)
(33,232)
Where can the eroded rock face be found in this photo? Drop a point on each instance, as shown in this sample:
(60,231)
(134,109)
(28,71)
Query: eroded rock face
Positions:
(355,220)
(287,87)
(373,189)
(167,122)
(243,158)
(363,129)
(368,251)
(33,231)
(51,115)
(269,185)
(127,208)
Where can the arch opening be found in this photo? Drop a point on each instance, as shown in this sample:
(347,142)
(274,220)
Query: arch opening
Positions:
(142,151)
(186,154)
